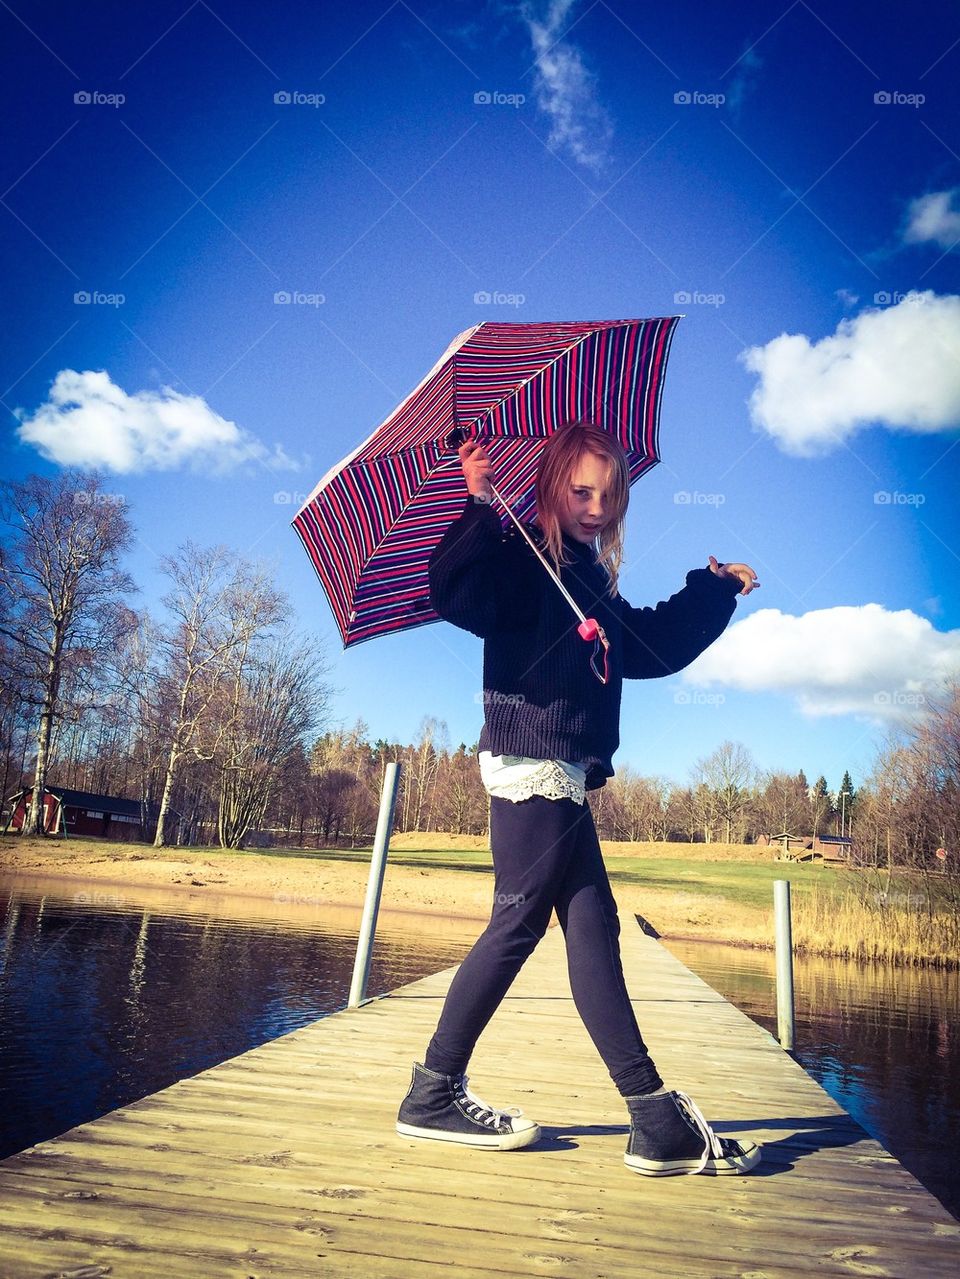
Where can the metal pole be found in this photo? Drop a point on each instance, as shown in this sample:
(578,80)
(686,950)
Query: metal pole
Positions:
(784,944)
(378,866)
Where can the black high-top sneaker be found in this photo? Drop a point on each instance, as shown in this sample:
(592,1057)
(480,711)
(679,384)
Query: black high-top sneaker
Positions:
(669,1136)
(443,1108)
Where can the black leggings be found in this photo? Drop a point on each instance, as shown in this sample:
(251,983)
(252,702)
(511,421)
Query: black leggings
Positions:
(546,856)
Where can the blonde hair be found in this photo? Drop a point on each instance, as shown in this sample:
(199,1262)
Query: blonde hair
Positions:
(558,460)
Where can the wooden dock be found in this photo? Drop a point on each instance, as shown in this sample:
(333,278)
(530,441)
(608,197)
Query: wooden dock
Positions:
(284,1161)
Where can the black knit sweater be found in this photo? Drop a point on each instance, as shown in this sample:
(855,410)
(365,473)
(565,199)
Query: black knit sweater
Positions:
(541,698)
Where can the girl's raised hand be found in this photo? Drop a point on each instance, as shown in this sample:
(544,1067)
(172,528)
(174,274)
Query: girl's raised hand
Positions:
(477,469)
(742,571)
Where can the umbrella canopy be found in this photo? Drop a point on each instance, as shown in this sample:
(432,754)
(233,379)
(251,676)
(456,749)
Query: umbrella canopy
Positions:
(371,523)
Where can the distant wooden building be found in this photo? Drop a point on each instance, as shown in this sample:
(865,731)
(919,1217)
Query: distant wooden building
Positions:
(79,812)
(808,848)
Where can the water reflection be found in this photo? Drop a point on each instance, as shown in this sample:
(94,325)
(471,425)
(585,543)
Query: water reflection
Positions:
(883,1041)
(104,1000)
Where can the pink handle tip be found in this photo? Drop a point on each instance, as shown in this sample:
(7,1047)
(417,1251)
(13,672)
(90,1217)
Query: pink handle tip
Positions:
(588,629)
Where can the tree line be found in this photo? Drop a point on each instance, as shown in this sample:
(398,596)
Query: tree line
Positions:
(201,716)
(216,718)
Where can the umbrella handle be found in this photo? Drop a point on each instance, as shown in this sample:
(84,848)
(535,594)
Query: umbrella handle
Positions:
(590,629)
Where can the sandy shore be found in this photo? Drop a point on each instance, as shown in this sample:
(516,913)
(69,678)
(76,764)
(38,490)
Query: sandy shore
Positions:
(251,885)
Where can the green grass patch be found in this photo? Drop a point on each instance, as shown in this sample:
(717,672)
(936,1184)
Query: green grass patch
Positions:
(740,883)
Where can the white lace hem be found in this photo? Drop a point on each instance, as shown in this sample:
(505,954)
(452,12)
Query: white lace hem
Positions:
(516,779)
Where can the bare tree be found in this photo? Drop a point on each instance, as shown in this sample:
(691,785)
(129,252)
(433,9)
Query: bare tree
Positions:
(727,774)
(420,773)
(144,692)
(61,595)
(783,804)
(276,699)
(15,727)
(936,747)
(346,791)
(218,602)
(638,805)
(462,802)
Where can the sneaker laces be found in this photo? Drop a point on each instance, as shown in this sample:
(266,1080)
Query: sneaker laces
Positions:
(479,1109)
(694,1116)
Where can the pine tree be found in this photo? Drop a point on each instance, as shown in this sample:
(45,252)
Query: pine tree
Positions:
(845,806)
(821,804)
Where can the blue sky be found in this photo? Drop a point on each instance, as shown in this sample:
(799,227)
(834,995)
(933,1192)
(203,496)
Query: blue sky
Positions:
(786,177)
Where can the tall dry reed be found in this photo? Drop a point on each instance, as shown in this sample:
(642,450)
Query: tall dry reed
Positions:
(907,922)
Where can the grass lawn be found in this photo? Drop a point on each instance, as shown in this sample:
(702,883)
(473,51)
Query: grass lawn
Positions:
(747,884)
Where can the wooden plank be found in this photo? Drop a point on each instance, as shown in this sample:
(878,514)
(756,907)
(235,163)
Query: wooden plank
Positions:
(285,1160)
(423,1227)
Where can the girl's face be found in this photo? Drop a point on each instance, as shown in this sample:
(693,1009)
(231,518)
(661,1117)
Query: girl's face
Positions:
(586,508)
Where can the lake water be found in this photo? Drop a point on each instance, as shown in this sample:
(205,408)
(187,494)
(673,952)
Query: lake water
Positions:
(884,1042)
(104,1000)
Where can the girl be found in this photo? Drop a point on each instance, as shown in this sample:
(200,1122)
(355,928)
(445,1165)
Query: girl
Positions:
(551,727)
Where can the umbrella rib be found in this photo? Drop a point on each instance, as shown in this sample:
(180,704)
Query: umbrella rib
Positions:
(538,373)
(611,382)
(516,390)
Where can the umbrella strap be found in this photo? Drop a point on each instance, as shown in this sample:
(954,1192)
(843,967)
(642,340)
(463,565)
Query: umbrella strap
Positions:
(589,628)
(542,558)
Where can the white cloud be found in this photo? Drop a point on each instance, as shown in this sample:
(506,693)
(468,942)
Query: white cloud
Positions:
(933,217)
(859,660)
(896,366)
(89,421)
(565,88)
(848,298)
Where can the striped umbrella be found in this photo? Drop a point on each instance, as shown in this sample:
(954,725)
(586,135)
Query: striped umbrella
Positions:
(371,523)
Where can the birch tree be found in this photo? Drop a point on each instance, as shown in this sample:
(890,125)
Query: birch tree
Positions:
(421,771)
(218,603)
(61,595)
